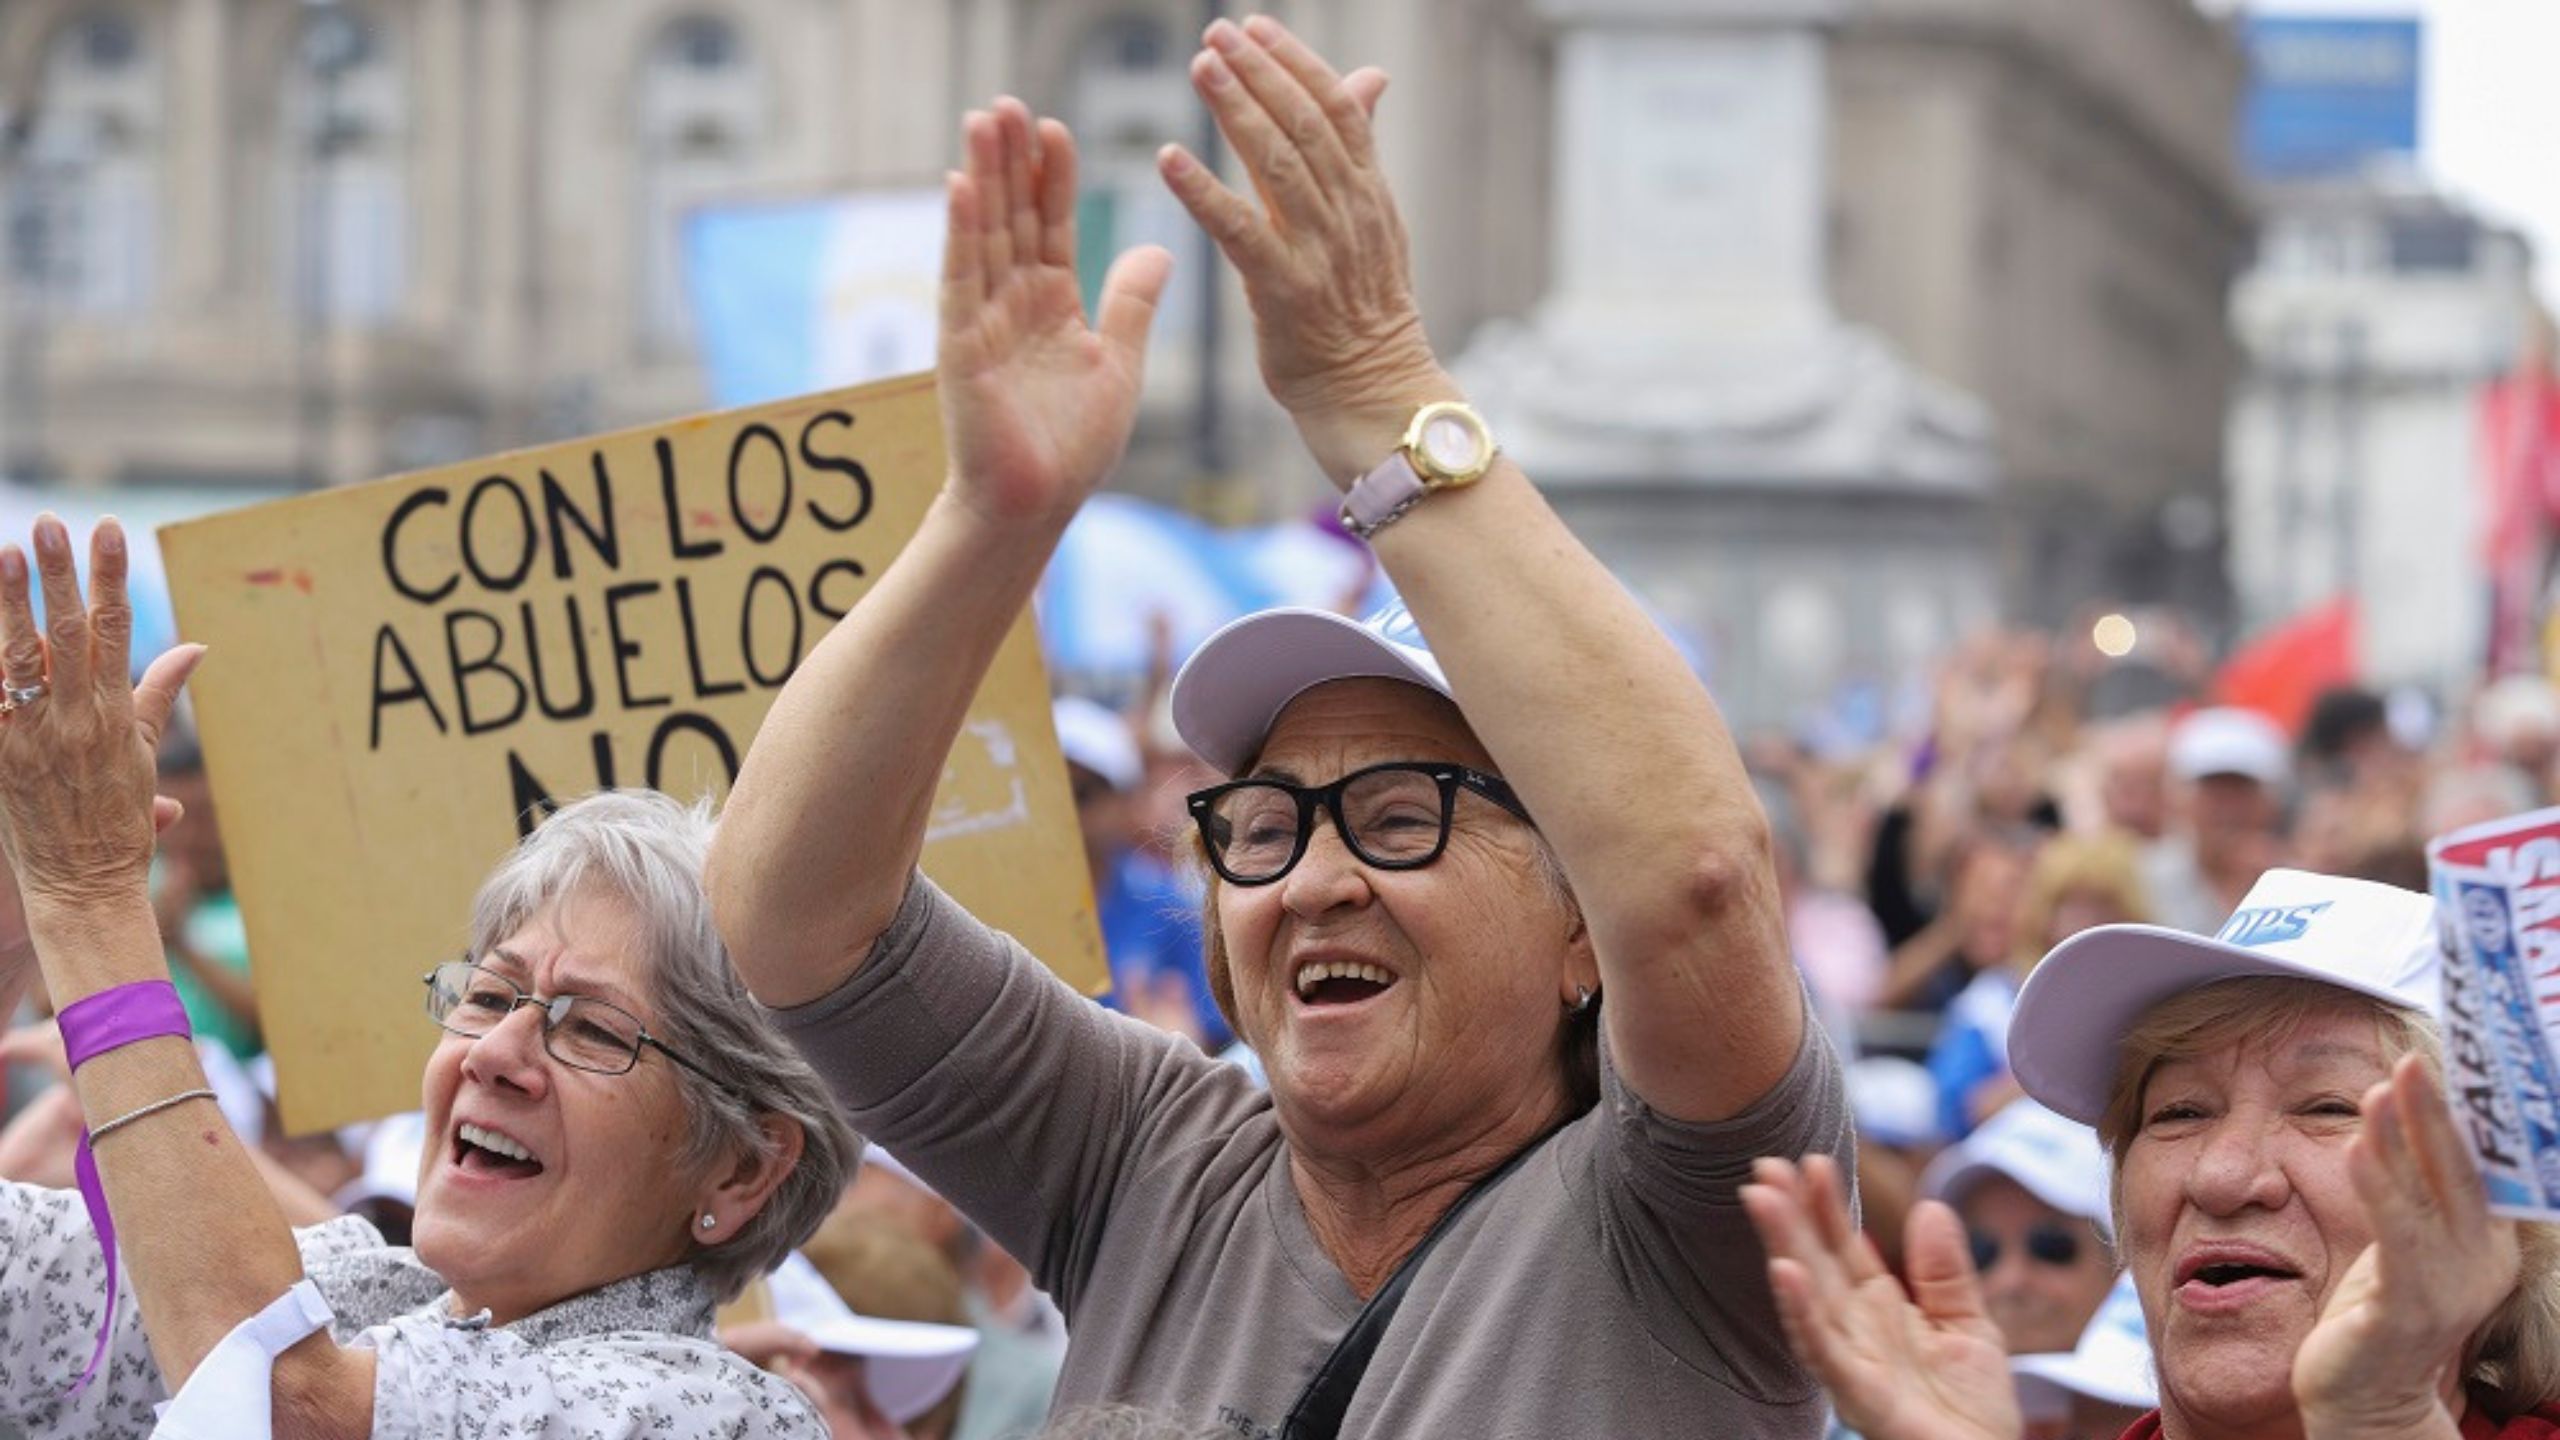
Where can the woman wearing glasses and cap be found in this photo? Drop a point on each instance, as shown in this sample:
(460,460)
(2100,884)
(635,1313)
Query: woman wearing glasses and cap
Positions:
(1498,913)
(616,1140)
(2309,1238)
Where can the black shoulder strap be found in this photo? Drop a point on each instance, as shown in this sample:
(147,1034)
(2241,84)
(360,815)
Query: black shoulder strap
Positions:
(1318,1413)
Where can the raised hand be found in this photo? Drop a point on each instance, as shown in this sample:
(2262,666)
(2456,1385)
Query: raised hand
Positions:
(1037,405)
(1323,255)
(2389,1348)
(1925,1366)
(77,739)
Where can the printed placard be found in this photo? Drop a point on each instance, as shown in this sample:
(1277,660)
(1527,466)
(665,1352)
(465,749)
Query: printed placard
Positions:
(2497,890)
(405,676)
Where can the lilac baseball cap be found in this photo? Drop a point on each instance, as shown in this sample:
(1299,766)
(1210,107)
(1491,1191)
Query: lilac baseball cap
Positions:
(1246,673)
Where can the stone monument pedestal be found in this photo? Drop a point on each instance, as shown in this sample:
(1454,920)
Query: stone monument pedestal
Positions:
(1773,480)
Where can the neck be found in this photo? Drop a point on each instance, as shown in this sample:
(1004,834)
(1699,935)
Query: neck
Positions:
(1369,1212)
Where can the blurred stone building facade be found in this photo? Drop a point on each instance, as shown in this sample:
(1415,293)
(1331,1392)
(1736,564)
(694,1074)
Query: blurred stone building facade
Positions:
(282,242)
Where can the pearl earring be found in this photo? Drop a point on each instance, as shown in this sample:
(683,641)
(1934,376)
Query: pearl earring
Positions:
(710,1222)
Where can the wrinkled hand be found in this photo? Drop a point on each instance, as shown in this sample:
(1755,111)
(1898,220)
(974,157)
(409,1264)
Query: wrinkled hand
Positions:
(2388,1347)
(1927,1366)
(77,811)
(1037,406)
(1324,257)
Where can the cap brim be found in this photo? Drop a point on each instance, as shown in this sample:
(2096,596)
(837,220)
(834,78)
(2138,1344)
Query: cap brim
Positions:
(1245,674)
(2075,1009)
(908,1366)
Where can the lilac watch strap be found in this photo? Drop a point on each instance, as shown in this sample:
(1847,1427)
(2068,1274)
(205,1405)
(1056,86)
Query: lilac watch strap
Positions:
(92,1026)
(1381,497)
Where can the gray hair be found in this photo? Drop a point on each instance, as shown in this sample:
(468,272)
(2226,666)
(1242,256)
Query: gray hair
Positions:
(646,850)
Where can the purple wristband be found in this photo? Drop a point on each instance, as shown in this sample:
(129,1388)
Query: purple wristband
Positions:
(92,1026)
(114,1018)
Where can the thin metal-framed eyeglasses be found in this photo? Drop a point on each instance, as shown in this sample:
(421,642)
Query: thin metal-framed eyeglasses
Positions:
(1393,816)
(580,1031)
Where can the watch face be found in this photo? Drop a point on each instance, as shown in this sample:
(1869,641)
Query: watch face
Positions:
(1452,446)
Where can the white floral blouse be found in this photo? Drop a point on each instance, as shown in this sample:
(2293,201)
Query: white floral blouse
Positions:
(633,1359)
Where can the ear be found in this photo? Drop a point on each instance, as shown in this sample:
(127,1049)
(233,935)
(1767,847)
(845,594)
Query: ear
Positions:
(1581,962)
(740,1194)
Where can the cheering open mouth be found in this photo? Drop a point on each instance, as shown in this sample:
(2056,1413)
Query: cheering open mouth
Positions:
(1325,981)
(481,1150)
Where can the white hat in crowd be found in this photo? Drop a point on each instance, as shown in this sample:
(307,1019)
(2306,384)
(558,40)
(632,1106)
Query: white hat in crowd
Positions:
(1246,673)
(2056,1160)
(2375,940)
(393,1150)
(1098,739)
(2228,740)
(1895,1101)
(2112,1363)
(2515,709)
(907,1365)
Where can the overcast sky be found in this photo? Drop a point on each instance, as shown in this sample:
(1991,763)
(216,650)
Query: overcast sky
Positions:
(2489,125)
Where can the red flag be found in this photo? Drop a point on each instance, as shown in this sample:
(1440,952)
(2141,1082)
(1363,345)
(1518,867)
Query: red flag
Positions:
(2519,437)
(2281,671)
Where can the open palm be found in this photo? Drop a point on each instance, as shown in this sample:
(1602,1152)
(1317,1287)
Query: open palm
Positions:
(1929,1365)
(1037,405)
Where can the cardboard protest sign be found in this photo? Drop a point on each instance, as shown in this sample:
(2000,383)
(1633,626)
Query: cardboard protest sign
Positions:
(405,676)
(2497,889)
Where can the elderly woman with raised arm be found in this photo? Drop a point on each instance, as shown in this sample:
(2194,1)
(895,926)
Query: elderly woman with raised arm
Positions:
(2309,1238)
(1491,895)
(616,1138)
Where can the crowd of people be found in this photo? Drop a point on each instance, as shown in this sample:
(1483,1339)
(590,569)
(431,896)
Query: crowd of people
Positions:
(1497,1044)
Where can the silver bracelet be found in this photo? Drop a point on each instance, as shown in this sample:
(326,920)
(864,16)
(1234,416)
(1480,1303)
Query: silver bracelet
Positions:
(154,1108)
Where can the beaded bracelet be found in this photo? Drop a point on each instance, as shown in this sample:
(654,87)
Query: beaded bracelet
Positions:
(101,1132)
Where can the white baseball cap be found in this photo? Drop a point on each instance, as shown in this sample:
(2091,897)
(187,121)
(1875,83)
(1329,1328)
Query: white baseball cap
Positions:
(907,1365)
(2374,940)
(2056,1160)
(2228,740)
(2112,1362)
(1894,1100)
(1248,671)
(1099,740)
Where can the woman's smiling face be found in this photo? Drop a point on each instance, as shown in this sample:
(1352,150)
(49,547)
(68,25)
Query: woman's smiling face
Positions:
(2238,1216)
(600,1192)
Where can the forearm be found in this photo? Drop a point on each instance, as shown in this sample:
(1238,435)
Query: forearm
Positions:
(1914,963)
(201,1236)
(1632,776)
(829,812)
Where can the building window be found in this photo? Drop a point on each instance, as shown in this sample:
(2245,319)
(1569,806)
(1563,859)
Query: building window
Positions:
(84,207)
(702,129)
(346,175)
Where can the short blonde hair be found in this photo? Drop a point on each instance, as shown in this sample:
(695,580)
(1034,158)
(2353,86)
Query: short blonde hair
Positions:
(2514,1357)
(2106,863)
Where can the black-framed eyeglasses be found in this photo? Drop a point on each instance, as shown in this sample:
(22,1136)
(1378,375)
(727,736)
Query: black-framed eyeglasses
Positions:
(580,1031)
(2046,1243)
(1393,816)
